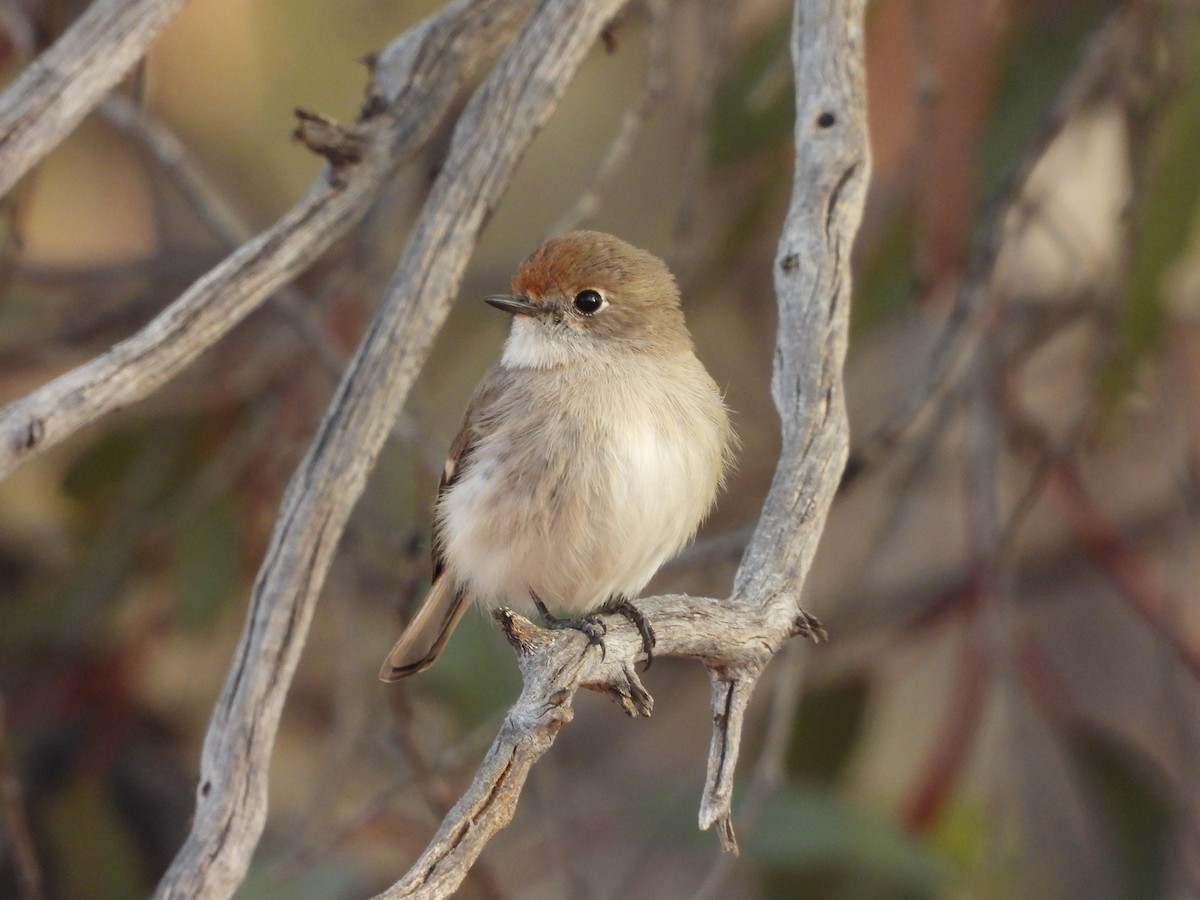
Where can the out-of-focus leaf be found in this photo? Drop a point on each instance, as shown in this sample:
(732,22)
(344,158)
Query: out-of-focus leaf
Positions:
(1041,56)
(763,202)
(884,287)
(207,556)
(95,857)
(827,728)
(753,108)
(106,466)
(473,672)
(95,474)
(965,834)
(322,881)
(1165,217)
(811,830)
(1132,804)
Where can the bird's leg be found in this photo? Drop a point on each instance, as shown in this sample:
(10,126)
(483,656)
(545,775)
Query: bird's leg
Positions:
(622,606)
(591,626)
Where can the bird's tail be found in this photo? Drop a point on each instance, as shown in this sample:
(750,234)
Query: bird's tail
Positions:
(427,633)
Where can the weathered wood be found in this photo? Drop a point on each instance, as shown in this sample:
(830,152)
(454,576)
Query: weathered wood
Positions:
(62,85)
(496,127)
(735,638)
(413,83)
(812,284)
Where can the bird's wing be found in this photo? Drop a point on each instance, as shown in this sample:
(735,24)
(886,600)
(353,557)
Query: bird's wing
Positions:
(446,602)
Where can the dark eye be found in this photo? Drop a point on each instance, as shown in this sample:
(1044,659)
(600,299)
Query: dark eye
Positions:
(588,302)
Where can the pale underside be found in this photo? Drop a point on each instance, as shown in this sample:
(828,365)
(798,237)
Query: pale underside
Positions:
(584,478)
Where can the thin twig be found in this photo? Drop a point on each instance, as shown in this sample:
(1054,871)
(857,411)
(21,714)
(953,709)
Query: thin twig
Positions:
(16,820)
(769,770)
(971,311)
(632,123)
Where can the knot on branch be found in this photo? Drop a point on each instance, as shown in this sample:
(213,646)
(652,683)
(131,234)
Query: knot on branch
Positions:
(809,626)
(522,634)
(623,687)
(28,435)
(341,146)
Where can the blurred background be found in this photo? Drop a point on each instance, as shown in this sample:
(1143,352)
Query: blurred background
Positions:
(1008,704)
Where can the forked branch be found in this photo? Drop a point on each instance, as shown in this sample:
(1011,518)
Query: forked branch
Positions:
(735,638)
(413,82)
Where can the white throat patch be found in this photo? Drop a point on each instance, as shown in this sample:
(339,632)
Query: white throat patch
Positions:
(532,345)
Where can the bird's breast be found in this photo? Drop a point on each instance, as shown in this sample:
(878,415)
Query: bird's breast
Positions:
(582,488)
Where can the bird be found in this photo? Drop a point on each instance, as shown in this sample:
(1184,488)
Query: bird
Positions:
(589,454)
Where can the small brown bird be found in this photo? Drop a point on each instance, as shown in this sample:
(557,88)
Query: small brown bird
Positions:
(588,456)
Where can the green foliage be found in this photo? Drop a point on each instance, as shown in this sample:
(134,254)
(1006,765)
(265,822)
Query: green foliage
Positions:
(750,129)
(317,882)
(1131,803)
(92,480)
(98,857)
(884,286)
(476,672)
(1164,218)
(827,729)
(818,845)
(206,562)
(754,105)
(1040,57)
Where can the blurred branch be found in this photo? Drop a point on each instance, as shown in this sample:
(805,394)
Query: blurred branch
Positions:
(16,821)
(63,84)
(715,21)
(980,602)
(632,123)
(1110,551)
(970,313)
(214,212)
(160,143)
(222,220)
(413,82)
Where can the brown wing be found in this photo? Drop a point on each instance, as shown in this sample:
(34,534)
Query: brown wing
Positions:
(461,447)
(445,603)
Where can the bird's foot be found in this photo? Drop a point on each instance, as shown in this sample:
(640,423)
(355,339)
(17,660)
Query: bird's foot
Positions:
(622,606)
(590,626)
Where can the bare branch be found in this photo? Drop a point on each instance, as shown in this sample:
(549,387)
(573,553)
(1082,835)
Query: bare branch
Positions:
(554,666)
(413,82)
(812,281)
(735,638)
(63,84)
(494,131)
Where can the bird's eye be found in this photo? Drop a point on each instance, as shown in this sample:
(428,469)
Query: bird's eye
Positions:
(589,302)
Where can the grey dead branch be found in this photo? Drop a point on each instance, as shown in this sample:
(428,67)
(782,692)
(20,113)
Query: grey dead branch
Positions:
(413,82)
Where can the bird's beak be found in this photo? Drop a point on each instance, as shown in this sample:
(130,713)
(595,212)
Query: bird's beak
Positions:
(517,306)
